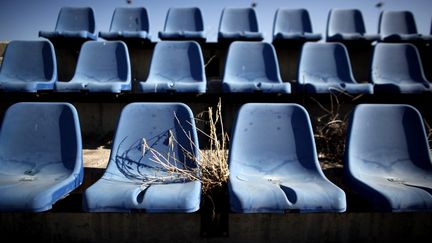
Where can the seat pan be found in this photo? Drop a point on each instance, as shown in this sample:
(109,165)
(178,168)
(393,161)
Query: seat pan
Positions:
(22,190)
(125,35)
(68,34)
(93,86)
(241,35)
(127,196)
(401,37)
(353,37)
(193,86)
(298,36)
(184,35)
(256,86)
(398,193)
(351,88)
(24,86)
(279,195)
(407,88)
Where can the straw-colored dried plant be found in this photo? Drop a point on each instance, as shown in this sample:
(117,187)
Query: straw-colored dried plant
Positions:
(330,132)
(212,167)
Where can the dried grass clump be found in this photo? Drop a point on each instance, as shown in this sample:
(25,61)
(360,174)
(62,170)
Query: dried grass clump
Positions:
(330,132)
(212,166)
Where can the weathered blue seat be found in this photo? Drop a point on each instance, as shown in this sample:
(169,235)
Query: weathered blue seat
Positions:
(398,26)
(28,66)
(326,68)
(239,24)
(293,25)
(130,23)
(176,66)
(347,25)
(40,155)
(103,66)
(73,23)
(387,157)
(397,68)
(253,67)
(273,163)
(134,180)
(183,24)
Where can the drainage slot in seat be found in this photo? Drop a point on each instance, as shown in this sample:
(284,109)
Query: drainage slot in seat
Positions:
(290,194)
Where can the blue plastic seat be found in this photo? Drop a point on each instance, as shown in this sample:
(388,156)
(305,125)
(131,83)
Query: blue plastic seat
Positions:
(133,180)
(103,66)
(176,66)
(347,25)
(398,26)
(387,157)
(28,66)
(128,24)
(253,67)
(326,68)
(73,23)
(183,24)
(273,163)
(293,24)
(239,24)
(397,68)
(40,155)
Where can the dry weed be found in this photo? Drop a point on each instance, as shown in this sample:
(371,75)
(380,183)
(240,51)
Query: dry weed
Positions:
(330,132)
(212,167)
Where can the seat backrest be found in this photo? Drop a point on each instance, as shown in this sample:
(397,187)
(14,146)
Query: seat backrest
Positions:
(272,139)
(324,62)
(383,138)
(76,19)
(292,21)
(40,134)
(184,19)
(396,22)
(341,21)
(238,20)
(398,62)
(250,61)
(130,19)
(167,128)
(177,61)
(29,61)
(103,61)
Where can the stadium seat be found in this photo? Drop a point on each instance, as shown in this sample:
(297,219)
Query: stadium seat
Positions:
(293,25)
(239,24)
(253,67)
(347,25)
(73,23)
(326,68)
(273,163)
(176,66)
(397,68)
(103,66)
(28,66)
(387,157)
(40,155)
(398,26)
(151,139)
(183,24)
(128,24)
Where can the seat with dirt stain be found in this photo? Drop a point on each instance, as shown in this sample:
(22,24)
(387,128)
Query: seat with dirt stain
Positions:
(154,145)
(387,157)
(274,166)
